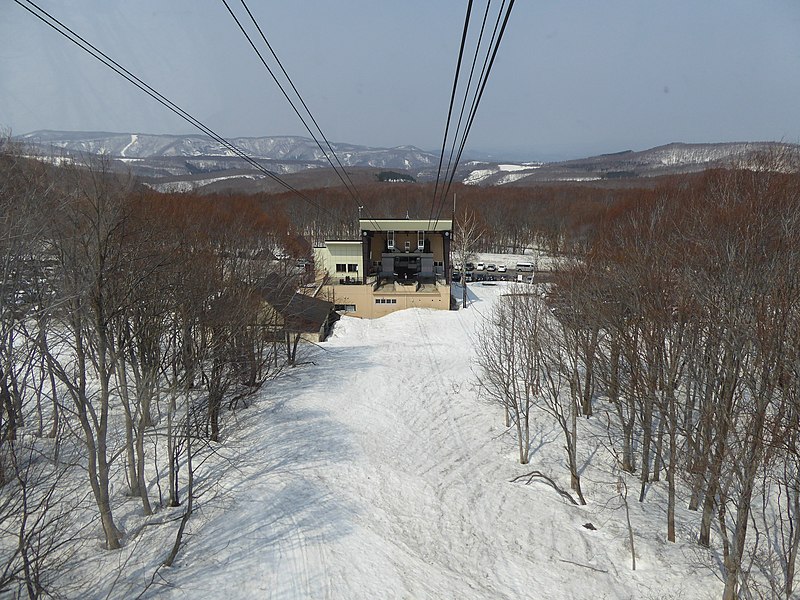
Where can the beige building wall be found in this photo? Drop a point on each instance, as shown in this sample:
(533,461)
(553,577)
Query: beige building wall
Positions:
(370,304)
(335,253)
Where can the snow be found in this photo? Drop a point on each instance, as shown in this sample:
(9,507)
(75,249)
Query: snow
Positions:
(588,178)
(478,175)
(58,161)
(188,186)
(540,259)
(516,167)
(511,177)
(375,470)
(134,139)
(515,172)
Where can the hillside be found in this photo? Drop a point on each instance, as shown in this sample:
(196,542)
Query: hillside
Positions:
(393,482)
(181,163)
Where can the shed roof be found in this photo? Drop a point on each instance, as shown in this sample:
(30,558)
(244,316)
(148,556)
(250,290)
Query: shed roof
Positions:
(299,311)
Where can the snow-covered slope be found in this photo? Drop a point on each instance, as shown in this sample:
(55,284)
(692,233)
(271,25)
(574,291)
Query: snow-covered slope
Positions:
(670,159)
(375,470)
(499,173)
(282,148)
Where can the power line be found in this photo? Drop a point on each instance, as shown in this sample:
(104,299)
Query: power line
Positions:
(467,87)
(450,109)
(492,49)
(99,55)
(474,109)
(283,91)
(349,185)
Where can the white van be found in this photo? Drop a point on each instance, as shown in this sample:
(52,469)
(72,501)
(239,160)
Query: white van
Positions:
(525,267)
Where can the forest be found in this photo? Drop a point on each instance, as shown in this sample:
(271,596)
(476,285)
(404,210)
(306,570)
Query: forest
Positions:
(131,329)
(131,323)
(679,318)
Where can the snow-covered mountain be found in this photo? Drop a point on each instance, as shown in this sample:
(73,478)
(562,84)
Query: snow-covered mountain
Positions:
(669,159)
(183,162)
(278,148)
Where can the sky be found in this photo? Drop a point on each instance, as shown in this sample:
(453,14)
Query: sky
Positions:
(571,79)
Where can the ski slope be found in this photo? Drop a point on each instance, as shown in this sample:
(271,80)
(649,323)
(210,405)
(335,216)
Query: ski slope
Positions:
(376,471)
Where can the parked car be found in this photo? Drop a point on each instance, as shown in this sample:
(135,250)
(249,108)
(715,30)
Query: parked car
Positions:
(491,267)
(470,267)
(501,268)
(456,276)
(480,267)
(524,266)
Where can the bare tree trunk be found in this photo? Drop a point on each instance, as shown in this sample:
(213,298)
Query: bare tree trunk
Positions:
(140,464)
(130,453)
(671,464)
(647,437)
(658,458)
(793,501)
(168,562)
(172,451)
(572,453)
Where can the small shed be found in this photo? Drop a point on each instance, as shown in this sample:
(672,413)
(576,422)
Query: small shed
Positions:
(298,313)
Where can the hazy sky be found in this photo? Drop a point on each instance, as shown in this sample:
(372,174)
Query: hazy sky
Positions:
(572,78)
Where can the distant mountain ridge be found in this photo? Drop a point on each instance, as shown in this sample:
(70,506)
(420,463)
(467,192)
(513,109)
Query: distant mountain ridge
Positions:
(669,159)
(292,148)
(182,162)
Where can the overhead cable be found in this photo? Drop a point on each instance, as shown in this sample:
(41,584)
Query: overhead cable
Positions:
(341,172)
(450,109)
(493,47)
(99,55)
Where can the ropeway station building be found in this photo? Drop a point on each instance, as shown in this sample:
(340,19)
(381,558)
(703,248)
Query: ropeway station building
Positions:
(396,264)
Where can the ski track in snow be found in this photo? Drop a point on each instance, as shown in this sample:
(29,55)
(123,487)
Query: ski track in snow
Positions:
(134,139)
(376,472)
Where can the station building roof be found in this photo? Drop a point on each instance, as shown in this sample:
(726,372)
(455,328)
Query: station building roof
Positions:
(405,224)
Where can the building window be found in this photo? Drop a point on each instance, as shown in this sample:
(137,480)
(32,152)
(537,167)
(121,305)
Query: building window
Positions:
(341,267)
(438,263)
(351,268)
(345,308)
(385,300)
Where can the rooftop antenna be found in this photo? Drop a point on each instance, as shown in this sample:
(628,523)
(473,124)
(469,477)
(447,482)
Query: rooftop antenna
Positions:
(407,217)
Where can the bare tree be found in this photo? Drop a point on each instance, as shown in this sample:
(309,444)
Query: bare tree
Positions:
(36,508)
(466,233)
(85,238)
(557,396)
(507,357)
